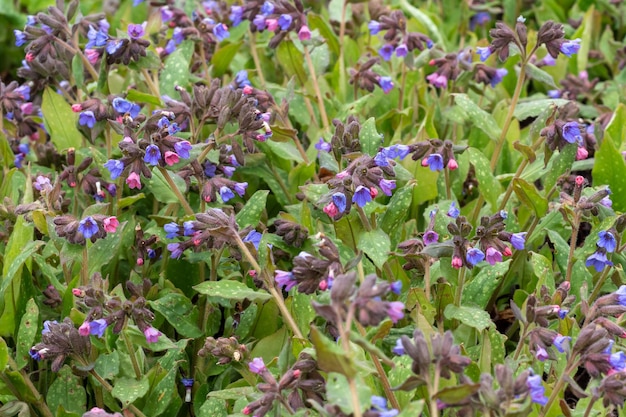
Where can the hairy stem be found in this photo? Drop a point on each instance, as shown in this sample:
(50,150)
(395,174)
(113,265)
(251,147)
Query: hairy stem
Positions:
(154,89)
(131,353)
(255,58)
(572,246)
(342,59)
(316,87)
(558,387)
(181,198)
(109,388)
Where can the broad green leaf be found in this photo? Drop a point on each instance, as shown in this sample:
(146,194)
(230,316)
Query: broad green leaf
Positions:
(231,290)
(542,268)
(338,392)
(480,289)
(397,210)
(540,75)
(369,138)
(78,71)
(26,333)
(488,186)
(214,406)
(130,200)
(528,194)
(412,409)
(105,250)
(270,346)
(376,245)
(302,311)
(330,357)
(478,117)
(398,374)
(108,365)
(284,150)
(317,22)
(477,318)
(582,57)
(617,126)
(162,190)
(533,107)
(60,121)
(610,170)
(68,392)
(453,395)
(291,60)
(162,394)
(127,390)
(139,97)
(560,165)
(222,59)
(176,70)
(433,31)
(250,214)
(179,312)
(6,154)
(4,355)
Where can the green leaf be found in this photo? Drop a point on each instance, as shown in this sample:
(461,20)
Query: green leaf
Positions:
(4,355)
(397,210)
(78,71)
(176,70)
(617,125)
(105,250)
(488,186)
(540,75)
(67,391)
(214,407)
(433,31)
(222,59)
(139,97)
(179,312)
(369,138)
(291,60)
(250,214)
(479,290)
(127,390)
(60,121)
(284,150)
(561,165)
(376,245)
(528,194)
(610,170)
(270,346)
(477,318)
(338,392)
(162,190)
(108,365)
(315,21)
(478,117)
(413,409)
(231,290)
(330,357)
(162,394)
(26,333)
(130,200)
(533,108)
(456,394)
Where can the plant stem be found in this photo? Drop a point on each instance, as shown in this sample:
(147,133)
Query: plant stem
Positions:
(181,198)
(316,87)
(255,58)
(84,270)
(433,388)
(592,401)
(459,287)
(598,286)
(557,388)
(355,397)
(342,59)
(520,344)
(131,353)
(154,89)
(83,58)
(39,400)
(109,388)
(206,150)
(427,279)
(572,246)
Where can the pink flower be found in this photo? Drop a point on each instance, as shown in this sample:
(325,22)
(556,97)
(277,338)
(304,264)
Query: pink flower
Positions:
(457,262)
(342,175)
(452,164)
(77,108)
(134,181)
(425,162)
(247,90)
(110,224)
(171,158)
(304,34)
(152,334)
(78,292)
(438,80)
(581,153)
(27,108)
(493,255)
(83,330)
(507,251)
(373,192)
(92,55)
(331,209)
(272,24)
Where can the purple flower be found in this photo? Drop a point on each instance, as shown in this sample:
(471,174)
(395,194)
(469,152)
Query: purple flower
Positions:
(549,61)
(182,148)
(618,361)
(166,14)
(113,45)
(430,237)
(398,349)
(124,106)
(187,382)
(136,31)
(267,8)
(387,185)
(285,279)
(395,311)
(151,334)
(23,91)
(570,48)
(97,327)
(259,22)
(18,160)
(284,21)
(173,129)
(474,256)
(435,162)
(46,326)
(571,132)
(438,80)
(453,211)
(240,188)
(153,155)
(621,295)
(226,193)
(396,287)
(88,227)
(484,53)
(241,79)
(374,27)
(554,93)
(175,249)
(493,255)
(401,50)
(340,201)
(606,240)
(362,196)
(386,84)
(188,229)
(480,19)
(537,391)
(322,145)
(598,260)
(498,76)
(115,167)
(518,240)
(35,354)
(396,151)
(236,14)
(87,118)
(97,38)
(20,37)
(178,36)
(386,51)
(171,230)
(42,184)
(221,32)
(561,343)
(542,354)
(562,313)
(253,237)
(257,365)
(381,160)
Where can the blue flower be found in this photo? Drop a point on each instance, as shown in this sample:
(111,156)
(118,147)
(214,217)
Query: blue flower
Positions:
(474,256)
(88,227)
(537,391)
(240,188)
(387,185)
(176,250)
(453,211)
(97,327)
(23,91)
(221,32)
(518,240)
(386,84)
(178,36)
(18,160)
(340,201)
(618,361)
(323,146)
(182,148)
(188,229)
(484,53)
(607,241)
(562,313)
(498,76)
(397,151)
(20,37)
(561,342)
(267,8)
(241,79)
(171,230)
(46,326)
(480,19)
(554,93)
(284,21)
(435,162)
(259,22)
(571,132)
(362,196)
(398,349)
(598,260)
(621,295)
(253,237)
(381,159)
(36,355)
(396,287)
(173,128)
(226,193)
(124,106)
(115,167)
(374,27)
(401,50)
(386,51)
(570,48)
(163,122)
(236,14)
(23,148)
(153,155)
(87,118)
(170,46)
(97,38)
(113,45)
(187,382)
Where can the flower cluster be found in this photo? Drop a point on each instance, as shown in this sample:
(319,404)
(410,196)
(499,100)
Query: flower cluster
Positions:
(606,244)
(58,341)
(364,77)
(396,36)
(91,227)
